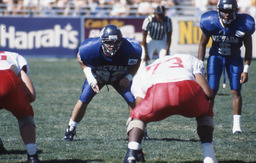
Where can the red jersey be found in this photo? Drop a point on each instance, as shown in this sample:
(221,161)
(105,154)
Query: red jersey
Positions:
(168,87)
(13,95)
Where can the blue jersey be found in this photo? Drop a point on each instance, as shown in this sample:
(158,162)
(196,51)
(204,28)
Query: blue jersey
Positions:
(110,69)
(226,41)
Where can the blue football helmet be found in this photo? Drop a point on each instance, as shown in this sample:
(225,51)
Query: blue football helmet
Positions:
(227,10)
(111,39)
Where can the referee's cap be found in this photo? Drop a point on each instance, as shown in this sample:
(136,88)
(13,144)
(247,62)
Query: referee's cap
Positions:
(160,10)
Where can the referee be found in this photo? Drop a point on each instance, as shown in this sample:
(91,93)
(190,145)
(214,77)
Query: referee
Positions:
(157,32)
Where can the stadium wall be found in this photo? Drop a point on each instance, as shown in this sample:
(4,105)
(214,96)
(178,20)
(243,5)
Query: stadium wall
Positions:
(60,37)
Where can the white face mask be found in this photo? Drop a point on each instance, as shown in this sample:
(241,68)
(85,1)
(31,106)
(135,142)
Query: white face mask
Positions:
(110,49)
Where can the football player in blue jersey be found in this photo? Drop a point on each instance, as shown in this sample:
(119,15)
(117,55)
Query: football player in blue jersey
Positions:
(109,59)
(229,31)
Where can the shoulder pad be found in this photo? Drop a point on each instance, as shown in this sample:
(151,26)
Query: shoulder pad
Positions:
(89,49)
(208,21)
(246,23)
(89,45)
(250,24)
(132,46)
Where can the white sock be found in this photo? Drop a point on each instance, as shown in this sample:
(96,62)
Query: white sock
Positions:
(72,124)
(208,153)
(236,123)
(31,148)
(134,145)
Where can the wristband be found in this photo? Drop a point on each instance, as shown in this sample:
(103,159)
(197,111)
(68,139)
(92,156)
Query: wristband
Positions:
(90,78)
(246,68)
(129,77)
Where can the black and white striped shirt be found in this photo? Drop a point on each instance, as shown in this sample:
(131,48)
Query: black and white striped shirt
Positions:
(155,29)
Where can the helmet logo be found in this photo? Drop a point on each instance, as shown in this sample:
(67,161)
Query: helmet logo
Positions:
(227,6)
(112,37)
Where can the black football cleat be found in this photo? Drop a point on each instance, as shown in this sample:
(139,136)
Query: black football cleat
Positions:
(69,135)
(33,158)
(132,156)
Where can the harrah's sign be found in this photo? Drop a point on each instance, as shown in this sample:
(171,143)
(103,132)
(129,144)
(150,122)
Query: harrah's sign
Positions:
(55,37)
(40,36)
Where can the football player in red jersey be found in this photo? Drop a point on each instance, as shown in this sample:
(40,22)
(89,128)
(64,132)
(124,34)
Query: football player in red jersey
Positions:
(172,85)
(16,94)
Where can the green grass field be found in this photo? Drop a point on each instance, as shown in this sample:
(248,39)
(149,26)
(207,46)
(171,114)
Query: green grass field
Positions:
(101,135)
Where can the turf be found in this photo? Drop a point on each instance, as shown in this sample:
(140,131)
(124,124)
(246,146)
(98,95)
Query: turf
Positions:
(101,135)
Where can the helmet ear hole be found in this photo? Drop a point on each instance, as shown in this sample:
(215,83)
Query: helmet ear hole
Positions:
(111,39)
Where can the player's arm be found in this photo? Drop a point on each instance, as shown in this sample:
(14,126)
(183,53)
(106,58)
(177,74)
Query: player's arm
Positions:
(204,85)
(138,100)
(134,68)
(144,45)
(202,46)
(247,58)
(88,73)
(139,86)
(126,81)
(168,42)
(28,84)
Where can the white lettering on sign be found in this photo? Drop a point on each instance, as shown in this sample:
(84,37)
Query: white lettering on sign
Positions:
(47,38)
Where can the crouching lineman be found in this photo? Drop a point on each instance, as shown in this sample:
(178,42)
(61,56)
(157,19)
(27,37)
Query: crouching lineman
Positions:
(172,85)
(17,91)
(108,59)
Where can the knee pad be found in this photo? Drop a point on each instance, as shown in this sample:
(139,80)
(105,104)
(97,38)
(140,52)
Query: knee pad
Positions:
(26,121)
(205,121)
(132,123)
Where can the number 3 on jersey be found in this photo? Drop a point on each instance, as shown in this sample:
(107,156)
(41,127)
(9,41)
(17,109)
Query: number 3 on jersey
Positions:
(3,57)
(175,62)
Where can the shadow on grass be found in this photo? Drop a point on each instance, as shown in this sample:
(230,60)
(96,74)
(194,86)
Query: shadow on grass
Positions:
(171,139)
(223,94)
(226,161)
(19,152)
(72,161)
(232,161)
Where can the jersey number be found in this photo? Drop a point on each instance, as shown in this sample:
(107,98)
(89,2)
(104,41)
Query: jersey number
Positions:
(224,49)
(175,62)
(3,57)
